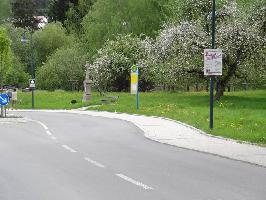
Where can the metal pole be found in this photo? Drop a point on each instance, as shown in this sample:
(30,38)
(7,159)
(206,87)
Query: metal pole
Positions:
(138,90)
(2,111)
(212,77)
(32,69)
(137,99)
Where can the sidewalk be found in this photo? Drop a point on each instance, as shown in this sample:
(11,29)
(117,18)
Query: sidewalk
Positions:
(181,135)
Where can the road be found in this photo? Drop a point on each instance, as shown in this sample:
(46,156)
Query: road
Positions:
(62,156)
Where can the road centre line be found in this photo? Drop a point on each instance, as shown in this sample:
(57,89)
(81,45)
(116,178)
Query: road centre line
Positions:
(69,149)
(126,178)
(94,162)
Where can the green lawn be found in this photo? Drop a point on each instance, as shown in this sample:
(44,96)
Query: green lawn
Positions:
(52,100)
(239,115)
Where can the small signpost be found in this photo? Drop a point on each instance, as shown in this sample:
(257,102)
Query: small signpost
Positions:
(4,100)
(134,83)
(32,83)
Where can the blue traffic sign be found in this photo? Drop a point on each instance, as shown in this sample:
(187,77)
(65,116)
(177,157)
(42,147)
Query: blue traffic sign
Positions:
(4,99)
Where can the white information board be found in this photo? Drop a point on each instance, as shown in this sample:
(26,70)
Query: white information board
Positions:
(213,62)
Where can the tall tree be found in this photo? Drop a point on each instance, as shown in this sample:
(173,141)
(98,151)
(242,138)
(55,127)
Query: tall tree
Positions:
(75,14)
(59,8)
(23,13)
(5,9)
(5,54)
(49,39)
(178,49)
(110,17)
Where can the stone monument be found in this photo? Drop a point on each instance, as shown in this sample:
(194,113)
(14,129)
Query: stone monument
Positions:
(87,85)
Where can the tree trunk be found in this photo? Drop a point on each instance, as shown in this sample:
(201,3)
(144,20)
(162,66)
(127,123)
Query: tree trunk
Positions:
(221,85)
(224,80)
(207,86)
(197,87)
(229,88)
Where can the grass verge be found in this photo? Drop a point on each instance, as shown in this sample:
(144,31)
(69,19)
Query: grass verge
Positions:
(52,100)
(239,115)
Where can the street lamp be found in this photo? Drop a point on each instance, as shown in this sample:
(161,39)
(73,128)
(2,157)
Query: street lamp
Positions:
(24,40)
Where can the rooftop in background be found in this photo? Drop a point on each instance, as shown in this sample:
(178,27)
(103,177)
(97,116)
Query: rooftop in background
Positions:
(42,21)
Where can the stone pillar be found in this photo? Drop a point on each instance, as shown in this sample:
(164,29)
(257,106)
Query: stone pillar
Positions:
(87,85)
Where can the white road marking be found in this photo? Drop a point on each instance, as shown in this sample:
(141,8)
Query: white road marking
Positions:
(126,178)
(94,162)
(69,149)
(49,133)
(53,137)
(43,125)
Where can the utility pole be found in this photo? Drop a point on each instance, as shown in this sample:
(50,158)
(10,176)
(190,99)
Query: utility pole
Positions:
(212,77)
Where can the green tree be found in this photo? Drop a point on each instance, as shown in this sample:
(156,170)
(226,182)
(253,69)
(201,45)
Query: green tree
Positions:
(5,10)
(21,51)
(23,13)
(57,10)
(49,39)
(108,18)
(5,54)
(65,65)
(16,60)
(179,46)
(110,70)
(75,14)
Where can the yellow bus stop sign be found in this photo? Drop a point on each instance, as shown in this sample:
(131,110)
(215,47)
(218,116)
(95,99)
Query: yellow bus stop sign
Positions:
(134,79)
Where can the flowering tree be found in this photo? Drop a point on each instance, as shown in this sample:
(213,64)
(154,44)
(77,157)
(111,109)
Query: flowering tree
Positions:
(179,47)
(111,67)
(175,57)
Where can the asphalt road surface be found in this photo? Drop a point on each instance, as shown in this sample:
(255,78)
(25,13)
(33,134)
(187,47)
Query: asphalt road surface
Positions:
(62,156)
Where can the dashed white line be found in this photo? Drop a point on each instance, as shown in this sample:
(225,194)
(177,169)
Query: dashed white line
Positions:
(126,178)
(43,125)
(94,162)
(69,149)
(53,137)
(48,133)
(122,176)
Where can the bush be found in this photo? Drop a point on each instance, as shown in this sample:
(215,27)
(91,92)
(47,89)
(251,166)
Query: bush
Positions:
(64,66)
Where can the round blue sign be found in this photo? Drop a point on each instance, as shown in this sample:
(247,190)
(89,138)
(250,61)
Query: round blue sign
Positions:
(4,99)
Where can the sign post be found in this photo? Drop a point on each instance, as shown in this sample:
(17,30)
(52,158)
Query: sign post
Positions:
(32,84)
(4,100)
(212,62)
(134,84)
(213,66)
